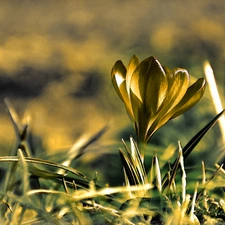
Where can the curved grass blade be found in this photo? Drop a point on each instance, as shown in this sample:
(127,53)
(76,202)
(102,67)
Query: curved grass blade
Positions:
(79,178)
(188,148)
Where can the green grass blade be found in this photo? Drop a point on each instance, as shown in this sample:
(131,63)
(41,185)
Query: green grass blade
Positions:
(187,149)
(79,178)
(168,182)
(134,169)
(128,168)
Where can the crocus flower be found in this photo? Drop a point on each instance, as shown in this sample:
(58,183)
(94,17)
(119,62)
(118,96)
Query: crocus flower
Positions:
(153,94)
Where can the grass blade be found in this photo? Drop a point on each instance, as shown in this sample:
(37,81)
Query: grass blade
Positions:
(188,148)
(195,140)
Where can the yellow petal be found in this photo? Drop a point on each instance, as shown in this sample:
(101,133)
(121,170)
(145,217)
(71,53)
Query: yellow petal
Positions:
(149,84)
(118,76)
(119,82)
(178,81)
(134,62)
(178,84)
(148,90)
(139,117)
(192,96)
(126,100)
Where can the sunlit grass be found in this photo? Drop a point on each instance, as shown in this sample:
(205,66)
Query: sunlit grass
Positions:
(215,97)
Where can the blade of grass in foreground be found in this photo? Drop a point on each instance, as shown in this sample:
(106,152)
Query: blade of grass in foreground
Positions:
(188,148)
(79,178)
(133,165)
(215,96)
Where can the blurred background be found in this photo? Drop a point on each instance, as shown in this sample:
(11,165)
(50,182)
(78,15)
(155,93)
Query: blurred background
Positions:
(55,65)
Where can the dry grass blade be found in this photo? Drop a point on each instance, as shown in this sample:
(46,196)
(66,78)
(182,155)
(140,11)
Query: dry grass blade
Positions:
(215,96)
(20,130)
(203,184)
(155,174)
(192,216)
(91,194)
(183,177)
